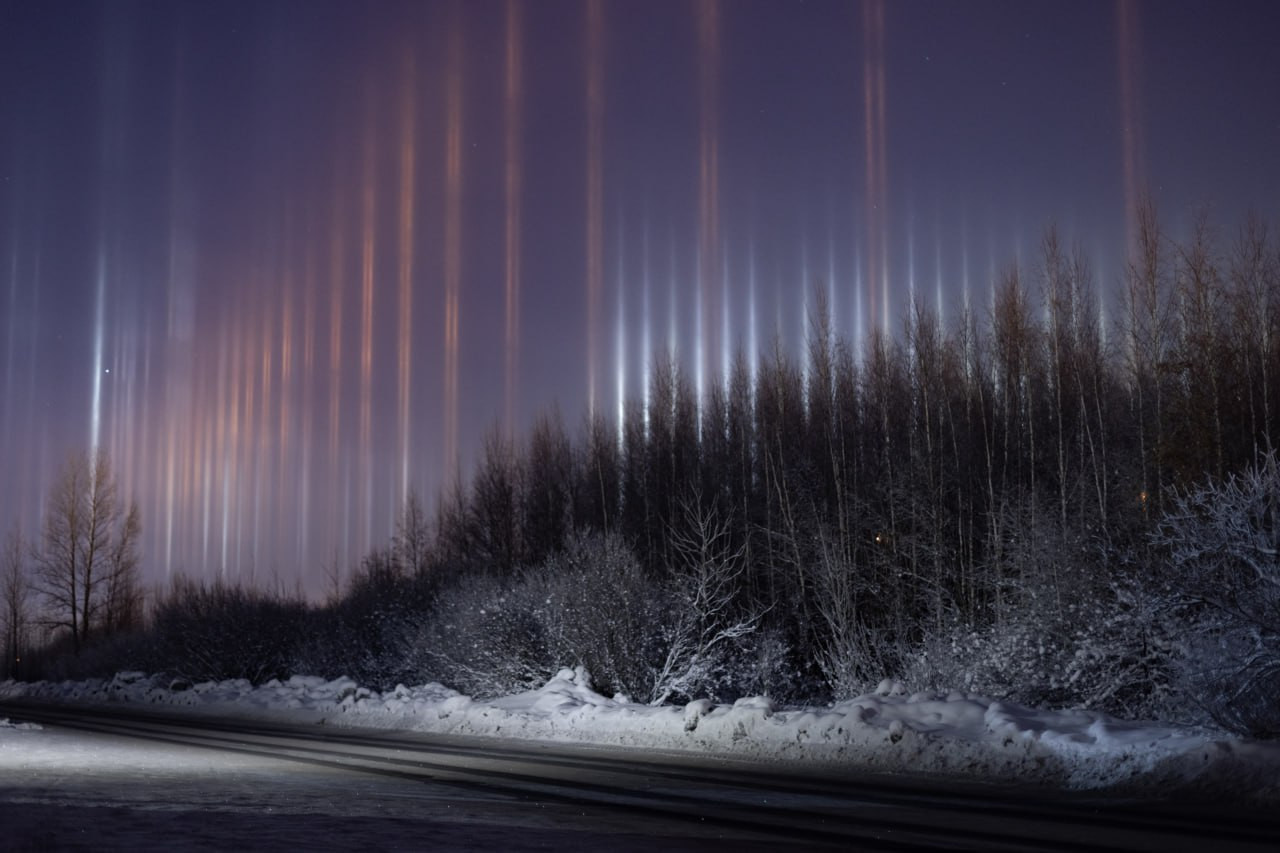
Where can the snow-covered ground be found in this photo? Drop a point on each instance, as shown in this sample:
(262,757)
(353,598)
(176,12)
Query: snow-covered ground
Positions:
(889,729)
(62,789)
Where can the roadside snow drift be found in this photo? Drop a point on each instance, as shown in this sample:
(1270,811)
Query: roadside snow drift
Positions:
(886,730)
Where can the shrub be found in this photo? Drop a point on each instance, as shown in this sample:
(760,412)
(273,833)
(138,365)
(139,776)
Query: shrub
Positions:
(1223,547)
(215,632)
(486,636)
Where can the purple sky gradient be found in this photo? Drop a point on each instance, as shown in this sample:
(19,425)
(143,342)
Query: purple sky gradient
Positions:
(213,216)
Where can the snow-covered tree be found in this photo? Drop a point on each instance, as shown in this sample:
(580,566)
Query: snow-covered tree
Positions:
(710,618)
(1223,544)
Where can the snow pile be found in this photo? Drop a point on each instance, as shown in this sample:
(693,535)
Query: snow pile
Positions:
(26,727)
(886,730)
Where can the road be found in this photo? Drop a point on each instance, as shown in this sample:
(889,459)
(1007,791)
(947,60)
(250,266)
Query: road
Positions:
(97,778)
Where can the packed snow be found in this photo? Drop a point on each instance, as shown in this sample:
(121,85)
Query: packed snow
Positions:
(889,729)
(62,789)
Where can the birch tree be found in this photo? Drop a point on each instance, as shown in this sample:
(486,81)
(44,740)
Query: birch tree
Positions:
(86,566)
(15,601)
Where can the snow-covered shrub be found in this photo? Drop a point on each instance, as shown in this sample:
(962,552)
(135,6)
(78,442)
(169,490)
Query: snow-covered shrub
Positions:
(487,636)
(1071,623)
(764,666)
(604,613)
(1112,651)
(852,653)
(1223,546)
(590,606)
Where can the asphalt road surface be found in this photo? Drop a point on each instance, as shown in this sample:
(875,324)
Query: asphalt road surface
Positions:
(123,778)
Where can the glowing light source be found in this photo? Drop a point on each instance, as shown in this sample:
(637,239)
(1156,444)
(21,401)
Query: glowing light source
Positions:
(99,324)
(753,339)
(876,162)
(452,247)
(595,190)
(709,283)
(337,262)
(368,224)
(646,337)
(1129,59)
(513,93)
(272,384)
(620,342)
(404,338)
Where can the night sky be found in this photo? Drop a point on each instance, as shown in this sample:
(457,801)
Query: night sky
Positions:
(287,260)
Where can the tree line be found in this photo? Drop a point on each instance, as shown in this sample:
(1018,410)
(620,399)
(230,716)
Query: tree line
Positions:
(1000,502)
(999,480)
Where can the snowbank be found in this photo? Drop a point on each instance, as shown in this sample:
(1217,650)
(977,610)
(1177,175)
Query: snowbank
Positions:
(886,730)
(26,727)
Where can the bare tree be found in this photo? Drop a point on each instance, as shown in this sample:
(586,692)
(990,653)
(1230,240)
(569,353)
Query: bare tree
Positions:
(15,598)
(547,498)
(87,566)
(708,579)
(1059,293)
(850,652)
(412,542)
(1201,359)
(122,604)
(333,580)
(453,532)
(598,484)
(1255,296)
(495,501)
(1147,333)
